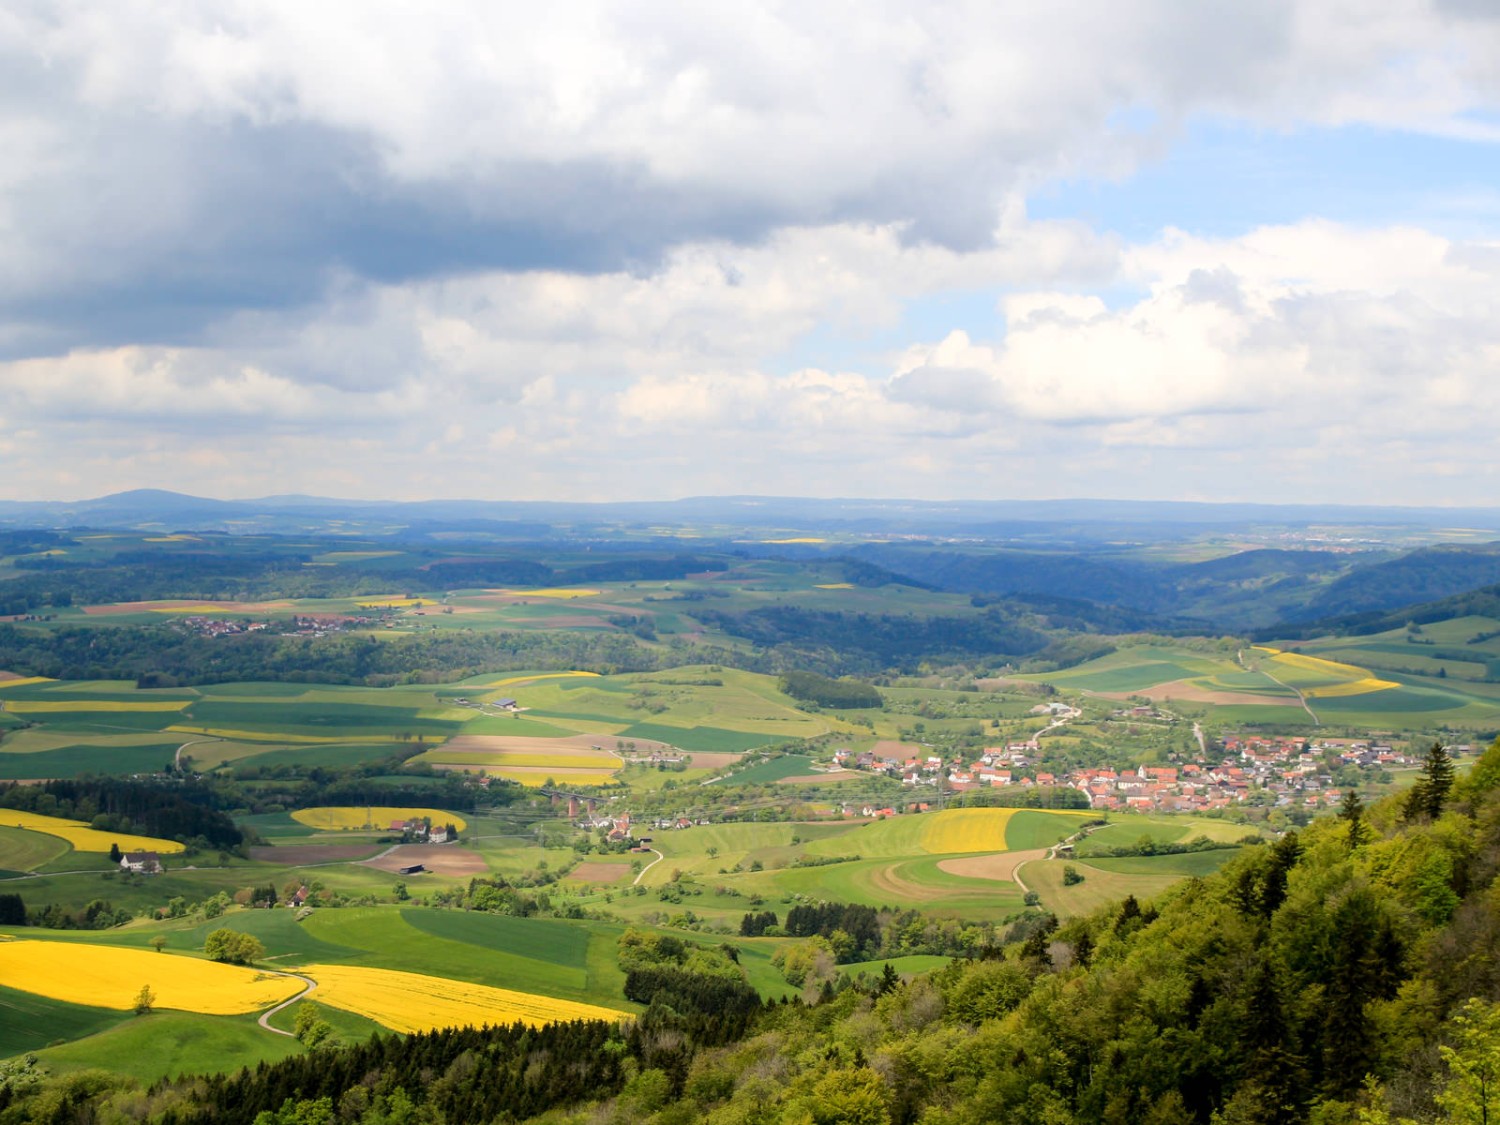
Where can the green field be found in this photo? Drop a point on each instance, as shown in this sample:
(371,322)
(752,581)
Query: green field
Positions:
(769,771)
(21,850)
(29,1022)
(166,1044)
(1106,881)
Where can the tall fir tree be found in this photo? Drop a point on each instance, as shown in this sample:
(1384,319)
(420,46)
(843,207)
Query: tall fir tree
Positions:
(1430,793)
(1352,813)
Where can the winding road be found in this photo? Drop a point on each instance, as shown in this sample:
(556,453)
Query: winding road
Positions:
(265,1017)
(1302,699)
(642,872)
(177,758)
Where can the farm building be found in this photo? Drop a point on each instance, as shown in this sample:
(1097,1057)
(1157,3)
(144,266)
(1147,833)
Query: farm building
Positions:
(141,863)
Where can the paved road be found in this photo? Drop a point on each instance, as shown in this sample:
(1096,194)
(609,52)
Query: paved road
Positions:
(177,758)
(1302,699)
(640,874)
(265,1018)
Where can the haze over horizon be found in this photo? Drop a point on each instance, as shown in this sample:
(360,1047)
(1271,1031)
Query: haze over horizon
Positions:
(938,251)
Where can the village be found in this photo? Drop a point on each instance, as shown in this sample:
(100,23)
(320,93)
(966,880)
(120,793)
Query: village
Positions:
(1283,772)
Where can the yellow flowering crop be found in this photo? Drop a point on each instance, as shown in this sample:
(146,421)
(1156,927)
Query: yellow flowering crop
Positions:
(556,592)
(415,1002)
(81,836)
(338,818)
(966,830)
(106,976)
(43,706)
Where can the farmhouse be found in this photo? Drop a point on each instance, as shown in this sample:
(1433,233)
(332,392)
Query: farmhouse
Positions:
(141,863)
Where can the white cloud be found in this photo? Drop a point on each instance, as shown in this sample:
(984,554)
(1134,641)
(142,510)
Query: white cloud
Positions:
(613,250)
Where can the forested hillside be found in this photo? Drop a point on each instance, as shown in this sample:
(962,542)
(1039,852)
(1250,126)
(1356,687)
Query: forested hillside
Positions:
(1342,974)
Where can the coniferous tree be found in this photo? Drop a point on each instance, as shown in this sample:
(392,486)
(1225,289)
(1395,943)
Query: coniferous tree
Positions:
(1352,813)
(1430,793)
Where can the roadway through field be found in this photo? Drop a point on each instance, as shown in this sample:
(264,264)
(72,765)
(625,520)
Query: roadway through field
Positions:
(1003,867)
(642,872)
(1302,699)
(177,758)
(265,1017)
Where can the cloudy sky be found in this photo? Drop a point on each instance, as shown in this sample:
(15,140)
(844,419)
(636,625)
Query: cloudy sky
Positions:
(1135,248)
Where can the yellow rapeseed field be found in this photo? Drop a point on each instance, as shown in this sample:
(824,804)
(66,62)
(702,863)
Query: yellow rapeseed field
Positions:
(555,592)
(81,836)
(578,760)
(105,976)
(966,830)
(412,1002)
(336,818)
(835,585)
(538,775)
(1356,680)
(47,706)
(1320,666)
(536,676)
(23,681)
(259,735)
(1353,687)
(395,603)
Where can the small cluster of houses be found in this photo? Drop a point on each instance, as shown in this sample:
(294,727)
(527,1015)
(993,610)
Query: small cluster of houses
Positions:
(299,625)
(423,831)
(1293,771)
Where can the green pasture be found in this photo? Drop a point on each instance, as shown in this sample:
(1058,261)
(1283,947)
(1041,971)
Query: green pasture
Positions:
(165,1044)
(904,884)
(1126,829)
(1137,667)
(1188,864)
(713,740)
(1105,882)
(84,758)
(734,844)
(275,824)
(772,770)
(909,966)
(332,755)
(545,956)
(29,1022)
(1029,829)
(887,839)
(1421,659)
(21,850)
(346,720)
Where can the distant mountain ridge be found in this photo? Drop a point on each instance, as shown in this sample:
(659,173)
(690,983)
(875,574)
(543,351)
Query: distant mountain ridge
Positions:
(981,519)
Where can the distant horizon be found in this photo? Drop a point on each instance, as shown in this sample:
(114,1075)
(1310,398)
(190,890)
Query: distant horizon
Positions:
(759,499)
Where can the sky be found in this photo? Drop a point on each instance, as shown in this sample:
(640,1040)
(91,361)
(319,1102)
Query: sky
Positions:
(599,251)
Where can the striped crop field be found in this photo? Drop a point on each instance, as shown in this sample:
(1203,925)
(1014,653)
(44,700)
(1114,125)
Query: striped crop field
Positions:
(49,706)
(966,830)
(81,836)
(1353,687)
(558,592)
(342,818)
(535,676)
(106,976)
(261,735)
(411,1002)
(538,775)
(1317,677)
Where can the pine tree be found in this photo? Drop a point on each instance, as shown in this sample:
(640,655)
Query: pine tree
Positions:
(1430,793)
(1352,813)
